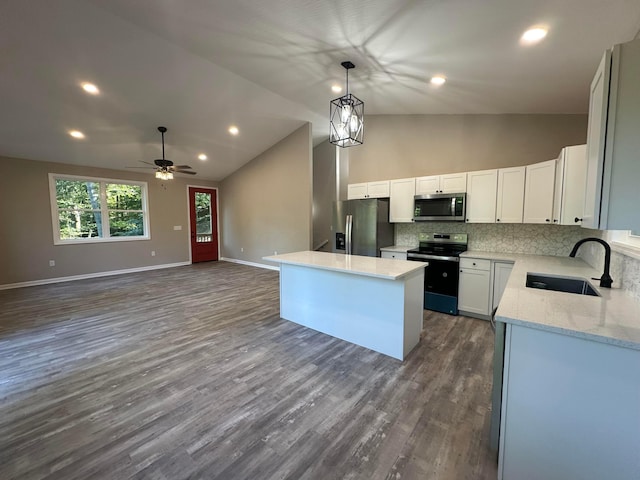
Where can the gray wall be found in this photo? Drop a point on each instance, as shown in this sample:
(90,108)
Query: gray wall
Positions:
(26,243)
(265,206)
(398,146)
(324,192)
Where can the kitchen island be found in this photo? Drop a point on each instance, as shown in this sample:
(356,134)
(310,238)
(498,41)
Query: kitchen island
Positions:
(372,302)
(571,379)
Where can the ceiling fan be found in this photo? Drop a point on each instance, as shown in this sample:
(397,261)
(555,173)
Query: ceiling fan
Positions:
(165,168)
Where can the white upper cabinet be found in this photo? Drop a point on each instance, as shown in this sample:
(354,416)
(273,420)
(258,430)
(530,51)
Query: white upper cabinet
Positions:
(613,142)
(356,190)
(571,176)
(538,192)
(368,190)
(482,189)
(453,183)
(401,203)
(428,185)
(450,183)
(510,203)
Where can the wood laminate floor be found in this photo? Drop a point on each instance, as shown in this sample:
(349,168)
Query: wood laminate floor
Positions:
(190,373)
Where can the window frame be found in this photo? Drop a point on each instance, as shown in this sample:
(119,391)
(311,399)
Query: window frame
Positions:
(625,242)
(104,210)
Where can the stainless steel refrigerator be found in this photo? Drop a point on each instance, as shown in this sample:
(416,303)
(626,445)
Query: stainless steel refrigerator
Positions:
(361,227)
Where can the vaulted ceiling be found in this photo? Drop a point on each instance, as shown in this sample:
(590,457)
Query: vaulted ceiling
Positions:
(199,66)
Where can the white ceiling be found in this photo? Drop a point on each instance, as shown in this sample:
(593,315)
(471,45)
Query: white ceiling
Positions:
(197,66)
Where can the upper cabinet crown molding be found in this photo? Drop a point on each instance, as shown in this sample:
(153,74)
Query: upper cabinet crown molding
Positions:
(613,142)
(449,183)
(538,192)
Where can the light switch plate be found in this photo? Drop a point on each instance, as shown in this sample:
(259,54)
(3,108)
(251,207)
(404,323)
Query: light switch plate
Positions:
(177,227)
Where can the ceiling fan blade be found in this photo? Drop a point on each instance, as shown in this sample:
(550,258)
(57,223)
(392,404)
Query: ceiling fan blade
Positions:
(182,166)
(185,171)
(146,168)
(142,161)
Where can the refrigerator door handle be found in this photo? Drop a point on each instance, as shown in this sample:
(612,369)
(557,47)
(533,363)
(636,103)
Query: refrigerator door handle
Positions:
(349,226)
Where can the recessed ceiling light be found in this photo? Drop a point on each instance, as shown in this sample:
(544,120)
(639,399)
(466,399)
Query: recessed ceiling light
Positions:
(438,80)
(202,156)
(90,88)
(233,130)
(336,88)
(76,134)
(533,35)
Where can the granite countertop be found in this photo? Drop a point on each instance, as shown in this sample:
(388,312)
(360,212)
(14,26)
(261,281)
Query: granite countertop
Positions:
(398,248)
(612,318)
(385,268)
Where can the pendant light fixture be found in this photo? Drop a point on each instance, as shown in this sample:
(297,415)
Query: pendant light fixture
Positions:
(346,117)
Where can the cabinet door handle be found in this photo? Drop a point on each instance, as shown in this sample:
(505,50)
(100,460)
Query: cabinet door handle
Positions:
(474,264)
(497,219)
(577,219)
(555,220)
(547,220)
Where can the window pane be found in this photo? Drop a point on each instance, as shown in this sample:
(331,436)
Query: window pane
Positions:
(203,213)
(126,224)
(124,197)
(79,224)
(76,194)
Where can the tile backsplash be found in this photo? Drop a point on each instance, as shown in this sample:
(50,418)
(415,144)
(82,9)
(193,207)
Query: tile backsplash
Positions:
(533,239)
(509,238)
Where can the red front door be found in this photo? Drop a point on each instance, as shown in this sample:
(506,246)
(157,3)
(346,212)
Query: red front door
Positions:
(203,220)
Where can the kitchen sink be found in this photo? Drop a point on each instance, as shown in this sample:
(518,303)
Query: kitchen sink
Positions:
(561,284)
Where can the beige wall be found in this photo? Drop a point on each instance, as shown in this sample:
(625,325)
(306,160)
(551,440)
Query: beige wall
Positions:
(324,192)
(26,242)
(398,146)
(265,206)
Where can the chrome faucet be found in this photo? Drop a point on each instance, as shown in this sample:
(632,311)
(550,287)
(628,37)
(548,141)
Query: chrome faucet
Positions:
(605,279)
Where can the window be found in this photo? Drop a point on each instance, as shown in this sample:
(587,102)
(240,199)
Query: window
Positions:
(97,209)
(626,241)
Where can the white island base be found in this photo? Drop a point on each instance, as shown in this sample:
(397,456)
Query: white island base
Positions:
(372,302)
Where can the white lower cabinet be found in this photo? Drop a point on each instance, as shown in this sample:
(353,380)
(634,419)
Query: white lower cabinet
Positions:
(395,255)
(569,408)
(474,288)
(501,272)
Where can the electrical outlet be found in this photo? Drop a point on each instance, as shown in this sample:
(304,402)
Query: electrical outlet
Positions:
(153,253)
(423,237)
(275,253)
(241,249)
(52,263)
(177,227)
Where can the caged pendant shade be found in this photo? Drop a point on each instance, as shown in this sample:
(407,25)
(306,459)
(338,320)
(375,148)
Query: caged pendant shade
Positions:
(346,117)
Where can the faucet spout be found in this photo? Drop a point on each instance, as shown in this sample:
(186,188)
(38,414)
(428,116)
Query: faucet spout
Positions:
(605,279)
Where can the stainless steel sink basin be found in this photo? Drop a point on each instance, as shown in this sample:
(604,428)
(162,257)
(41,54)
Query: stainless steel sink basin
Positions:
(561,284)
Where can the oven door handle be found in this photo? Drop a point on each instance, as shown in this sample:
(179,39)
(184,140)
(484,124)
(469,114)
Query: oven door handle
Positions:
(420,256)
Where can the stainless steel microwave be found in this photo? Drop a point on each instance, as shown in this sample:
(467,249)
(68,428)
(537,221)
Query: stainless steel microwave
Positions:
(449,207)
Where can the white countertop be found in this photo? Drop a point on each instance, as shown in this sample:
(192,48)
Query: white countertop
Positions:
(612,318)
(386,268)
(398,248)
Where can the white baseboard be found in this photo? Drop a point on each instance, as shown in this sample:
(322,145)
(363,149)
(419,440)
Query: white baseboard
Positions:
(251,264)
(71,278)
